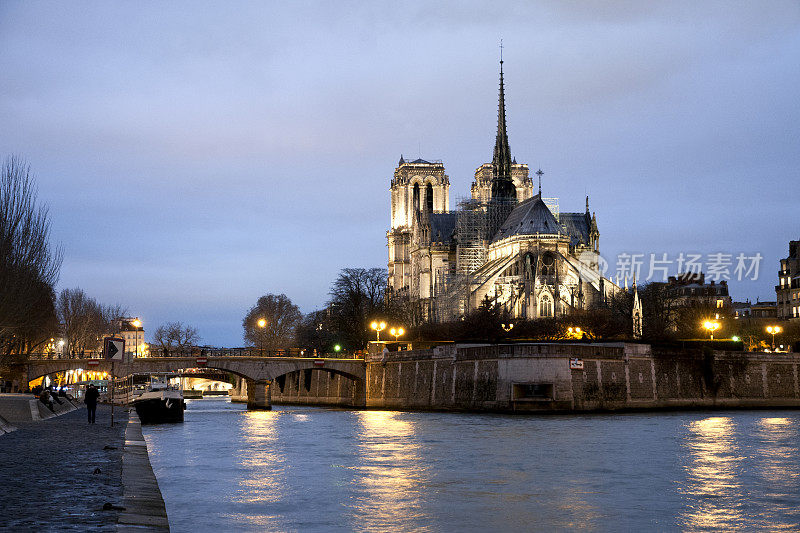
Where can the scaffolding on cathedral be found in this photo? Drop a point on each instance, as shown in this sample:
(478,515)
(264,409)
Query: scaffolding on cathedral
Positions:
(476,224)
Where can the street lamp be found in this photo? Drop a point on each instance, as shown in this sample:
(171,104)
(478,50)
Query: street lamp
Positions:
(396,332)
(507,327)
(774,330)
(378,327)
(262,323)
(136,324)
(711,326)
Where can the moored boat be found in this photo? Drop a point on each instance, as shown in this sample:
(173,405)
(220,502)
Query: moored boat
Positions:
(160,404)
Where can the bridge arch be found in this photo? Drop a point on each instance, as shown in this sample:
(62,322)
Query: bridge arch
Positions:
(259,372)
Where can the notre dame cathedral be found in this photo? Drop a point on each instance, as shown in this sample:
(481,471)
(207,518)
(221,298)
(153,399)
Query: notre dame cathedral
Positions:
(504,244)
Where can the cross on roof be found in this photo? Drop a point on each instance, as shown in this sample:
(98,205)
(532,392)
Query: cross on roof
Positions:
(540,174)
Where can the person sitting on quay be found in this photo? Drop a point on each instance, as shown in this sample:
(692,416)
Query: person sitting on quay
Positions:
(46,398)
(90,399)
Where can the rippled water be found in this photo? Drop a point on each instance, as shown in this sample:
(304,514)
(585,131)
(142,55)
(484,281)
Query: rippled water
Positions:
(307,469)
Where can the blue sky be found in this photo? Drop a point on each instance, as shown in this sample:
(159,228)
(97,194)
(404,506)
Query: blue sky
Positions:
(197,155)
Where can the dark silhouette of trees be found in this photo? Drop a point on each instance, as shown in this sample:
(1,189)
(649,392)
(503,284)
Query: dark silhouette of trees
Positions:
(357,298)
(282,318)
(29,266)
(176,337)
(84,321)
(315,332)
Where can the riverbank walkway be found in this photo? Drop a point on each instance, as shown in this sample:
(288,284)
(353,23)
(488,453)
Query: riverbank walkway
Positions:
(57,474)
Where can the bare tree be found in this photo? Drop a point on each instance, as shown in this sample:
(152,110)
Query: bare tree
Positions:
(281,318)
(174,336)
(357,297)
(84,321)
(29,267)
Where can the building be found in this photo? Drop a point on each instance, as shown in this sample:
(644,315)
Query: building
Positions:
(504,244)
(788,288)
(132,331)
(764,310)
(691,290)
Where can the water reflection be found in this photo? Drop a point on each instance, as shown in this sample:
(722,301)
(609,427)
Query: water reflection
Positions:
(713,489)
(776,445)
(262,474)
(392,474)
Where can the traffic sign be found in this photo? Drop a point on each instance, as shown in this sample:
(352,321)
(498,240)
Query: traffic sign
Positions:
(113,348)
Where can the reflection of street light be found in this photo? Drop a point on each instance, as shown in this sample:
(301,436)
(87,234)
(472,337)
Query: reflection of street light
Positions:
(396,332)
(378,327)
(774,330)
(136,324)
(262,323)
(507,327)
(711,326)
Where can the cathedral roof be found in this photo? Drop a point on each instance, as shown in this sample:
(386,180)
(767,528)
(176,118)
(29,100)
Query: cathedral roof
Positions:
(443,225)
(577,227)
(530,217)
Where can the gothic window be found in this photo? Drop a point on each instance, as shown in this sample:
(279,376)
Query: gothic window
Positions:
(545,306)
(429,198)
(416,197)
(548,264)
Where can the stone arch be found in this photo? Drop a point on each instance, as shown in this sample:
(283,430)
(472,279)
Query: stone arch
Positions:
(319,386)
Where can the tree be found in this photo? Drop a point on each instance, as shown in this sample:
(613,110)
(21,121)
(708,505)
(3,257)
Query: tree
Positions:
(174,336)
(315,332)
(357,298)
(282,318)
(84,321)
(29,267)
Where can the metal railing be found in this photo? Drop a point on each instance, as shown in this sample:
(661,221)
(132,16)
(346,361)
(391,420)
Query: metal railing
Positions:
(206,352)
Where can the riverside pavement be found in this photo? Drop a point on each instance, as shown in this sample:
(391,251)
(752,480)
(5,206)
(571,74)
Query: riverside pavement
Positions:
(56,474)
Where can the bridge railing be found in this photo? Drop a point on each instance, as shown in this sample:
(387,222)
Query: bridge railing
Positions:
(205,352)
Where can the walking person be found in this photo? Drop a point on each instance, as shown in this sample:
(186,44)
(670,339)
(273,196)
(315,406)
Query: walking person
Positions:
(92,394)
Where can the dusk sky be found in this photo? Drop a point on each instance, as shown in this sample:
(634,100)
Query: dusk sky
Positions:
(198,155)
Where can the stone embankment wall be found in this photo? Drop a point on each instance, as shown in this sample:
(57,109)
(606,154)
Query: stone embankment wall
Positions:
(578,377)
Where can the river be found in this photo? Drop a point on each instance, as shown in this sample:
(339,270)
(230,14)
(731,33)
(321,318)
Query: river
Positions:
(319,470)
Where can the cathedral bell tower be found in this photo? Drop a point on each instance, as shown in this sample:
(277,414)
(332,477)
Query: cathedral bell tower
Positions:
(418,188)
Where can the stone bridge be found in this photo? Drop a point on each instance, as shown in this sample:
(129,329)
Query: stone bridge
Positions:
(258,372)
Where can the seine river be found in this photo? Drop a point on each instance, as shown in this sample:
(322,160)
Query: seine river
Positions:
(306,469)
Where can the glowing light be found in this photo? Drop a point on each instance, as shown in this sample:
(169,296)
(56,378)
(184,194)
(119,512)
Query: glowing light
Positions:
(337,348)
(378,327)
(136,323)
(711,326)
(262,323)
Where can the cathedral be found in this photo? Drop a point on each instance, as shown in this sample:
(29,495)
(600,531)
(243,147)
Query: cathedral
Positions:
(504,244)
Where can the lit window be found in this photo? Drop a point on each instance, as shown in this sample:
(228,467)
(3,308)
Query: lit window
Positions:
(719,304)
(545,306)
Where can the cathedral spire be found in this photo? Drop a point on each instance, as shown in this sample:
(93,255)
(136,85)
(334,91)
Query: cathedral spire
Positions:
(502,186)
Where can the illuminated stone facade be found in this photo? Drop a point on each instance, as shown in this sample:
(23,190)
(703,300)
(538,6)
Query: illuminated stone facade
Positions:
(506,244)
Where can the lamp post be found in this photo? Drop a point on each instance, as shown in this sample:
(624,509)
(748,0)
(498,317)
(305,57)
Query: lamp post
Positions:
(774,330)
(507,327)
(136,324)
(378,327)
(262,323)
(396,332)
(711,326)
